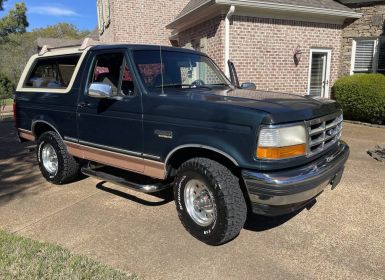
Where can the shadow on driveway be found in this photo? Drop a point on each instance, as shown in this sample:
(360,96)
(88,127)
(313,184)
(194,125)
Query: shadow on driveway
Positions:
(259,223)
(16,165)
(166,196)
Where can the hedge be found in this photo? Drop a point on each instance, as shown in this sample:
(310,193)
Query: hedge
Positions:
(362,96)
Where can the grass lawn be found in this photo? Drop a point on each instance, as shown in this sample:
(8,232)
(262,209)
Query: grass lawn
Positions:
(6,102)
(22,258)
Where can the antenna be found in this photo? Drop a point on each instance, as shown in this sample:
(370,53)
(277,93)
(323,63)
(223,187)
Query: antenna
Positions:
(161,68)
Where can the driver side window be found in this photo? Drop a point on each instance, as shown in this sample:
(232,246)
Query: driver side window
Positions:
(112,69)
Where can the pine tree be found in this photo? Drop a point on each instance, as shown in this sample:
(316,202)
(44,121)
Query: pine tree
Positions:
(15,21)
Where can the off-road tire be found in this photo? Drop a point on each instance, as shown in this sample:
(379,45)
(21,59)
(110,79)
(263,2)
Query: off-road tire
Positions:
(230,204)
(68,168)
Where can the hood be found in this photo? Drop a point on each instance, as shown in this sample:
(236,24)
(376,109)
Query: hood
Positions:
(284,107)
(280,107)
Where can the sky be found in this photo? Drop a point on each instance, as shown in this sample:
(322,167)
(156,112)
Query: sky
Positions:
(81,13)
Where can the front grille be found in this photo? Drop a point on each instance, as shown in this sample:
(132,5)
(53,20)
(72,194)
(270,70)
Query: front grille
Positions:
(323,132)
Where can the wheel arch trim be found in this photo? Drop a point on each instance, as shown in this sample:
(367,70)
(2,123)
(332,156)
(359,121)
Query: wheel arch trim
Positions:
(170,154)
(35,122)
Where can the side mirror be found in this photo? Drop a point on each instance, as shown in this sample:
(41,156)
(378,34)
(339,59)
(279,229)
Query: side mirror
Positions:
(250,86)
(100,90)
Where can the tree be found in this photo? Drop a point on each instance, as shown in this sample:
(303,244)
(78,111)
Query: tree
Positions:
(1,4)
(61,30)
(15,54)
(19,47)
(15,21)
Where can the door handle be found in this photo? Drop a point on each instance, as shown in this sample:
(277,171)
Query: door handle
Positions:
(84,105)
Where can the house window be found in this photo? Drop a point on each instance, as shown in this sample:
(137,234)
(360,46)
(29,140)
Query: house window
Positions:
(368,56)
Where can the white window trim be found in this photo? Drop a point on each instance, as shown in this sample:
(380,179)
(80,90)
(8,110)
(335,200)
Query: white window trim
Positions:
(376,52)
(106,13)
(100,12)
(35,58)
(328,69)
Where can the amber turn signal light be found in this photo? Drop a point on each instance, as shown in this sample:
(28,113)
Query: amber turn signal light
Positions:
(281,152)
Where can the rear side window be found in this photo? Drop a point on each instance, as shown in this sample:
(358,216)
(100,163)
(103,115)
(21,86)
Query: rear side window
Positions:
(55,72)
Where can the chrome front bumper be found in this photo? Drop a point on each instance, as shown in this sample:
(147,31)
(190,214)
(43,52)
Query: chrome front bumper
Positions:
(281,192)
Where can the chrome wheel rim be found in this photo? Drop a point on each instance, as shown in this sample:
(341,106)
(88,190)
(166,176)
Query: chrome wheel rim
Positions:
(49,158)
(199,203)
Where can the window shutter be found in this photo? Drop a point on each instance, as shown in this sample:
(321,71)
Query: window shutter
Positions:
(364,56)
(381,57)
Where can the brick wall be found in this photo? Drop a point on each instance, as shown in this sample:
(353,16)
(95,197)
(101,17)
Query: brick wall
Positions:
(369,25)
(263,51)
(141,22)
(213,33)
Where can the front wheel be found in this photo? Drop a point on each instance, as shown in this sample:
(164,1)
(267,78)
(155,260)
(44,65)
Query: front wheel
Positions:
(209,201)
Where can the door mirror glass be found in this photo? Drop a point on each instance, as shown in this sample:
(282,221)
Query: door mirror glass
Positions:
(100,90)
(250,86)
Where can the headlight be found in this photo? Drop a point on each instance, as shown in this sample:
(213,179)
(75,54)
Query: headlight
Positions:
(282,142)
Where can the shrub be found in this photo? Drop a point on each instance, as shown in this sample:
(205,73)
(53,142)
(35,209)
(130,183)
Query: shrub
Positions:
(362,97)
(6,87)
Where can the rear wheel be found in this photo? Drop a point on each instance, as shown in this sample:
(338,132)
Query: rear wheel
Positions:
(56,165)
(209,201)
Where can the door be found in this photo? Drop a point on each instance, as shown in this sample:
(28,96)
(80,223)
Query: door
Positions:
(319,73)
(110,129)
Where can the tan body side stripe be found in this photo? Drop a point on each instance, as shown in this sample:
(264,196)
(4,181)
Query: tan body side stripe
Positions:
(25,134)
(146,167)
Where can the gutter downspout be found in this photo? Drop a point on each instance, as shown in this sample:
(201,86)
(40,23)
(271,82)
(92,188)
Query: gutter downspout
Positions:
(227,39)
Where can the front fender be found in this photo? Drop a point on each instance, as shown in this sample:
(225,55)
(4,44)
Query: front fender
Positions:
(215,144)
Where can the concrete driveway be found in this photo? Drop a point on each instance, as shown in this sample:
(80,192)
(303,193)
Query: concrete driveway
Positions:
(341,237)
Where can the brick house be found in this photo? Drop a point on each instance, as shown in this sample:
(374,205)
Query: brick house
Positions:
(363,40)
(291,46)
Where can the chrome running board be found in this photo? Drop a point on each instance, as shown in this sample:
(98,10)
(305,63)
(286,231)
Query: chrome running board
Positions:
(132,181)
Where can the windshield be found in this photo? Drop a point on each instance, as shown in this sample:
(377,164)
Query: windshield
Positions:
(179,70)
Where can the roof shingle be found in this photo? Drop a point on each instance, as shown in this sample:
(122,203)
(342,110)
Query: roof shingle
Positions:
(321,4)
(192,5)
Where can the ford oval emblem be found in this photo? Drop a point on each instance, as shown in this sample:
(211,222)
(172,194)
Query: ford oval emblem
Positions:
(330,132)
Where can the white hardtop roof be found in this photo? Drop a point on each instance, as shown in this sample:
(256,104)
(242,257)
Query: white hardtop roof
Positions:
(59,51)
(50,51)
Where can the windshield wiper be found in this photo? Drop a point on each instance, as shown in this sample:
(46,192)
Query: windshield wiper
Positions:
(185,86)
(174,85)
(219,84)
